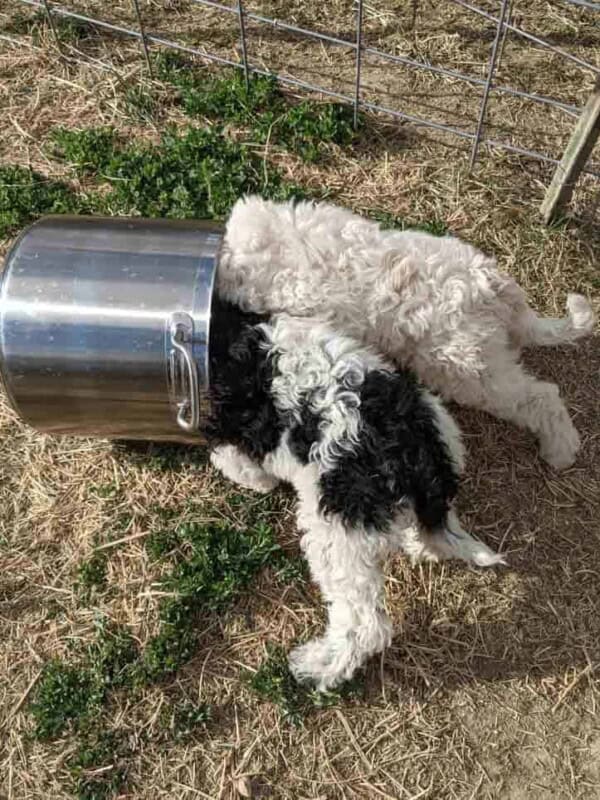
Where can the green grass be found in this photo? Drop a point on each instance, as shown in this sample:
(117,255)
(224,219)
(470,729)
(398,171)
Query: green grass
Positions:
(70,693)
(210,566)
(106,491)
(65,695)
(161,457)
(192,173)
(187,719)
(224,97)
(436,227)
(90,151)
(141,104)
(259,106)
(26,195)
(305,128)
(199,173)
(91,575)
(98,766)
(161,544)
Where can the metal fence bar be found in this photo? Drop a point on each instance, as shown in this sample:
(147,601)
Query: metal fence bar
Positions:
(110,26)
(488,83)
(48,10)
(530,36)
(359,22)
(289,81)
(584,4)
(504,33)
(373,51)
(240,9)
(143,36)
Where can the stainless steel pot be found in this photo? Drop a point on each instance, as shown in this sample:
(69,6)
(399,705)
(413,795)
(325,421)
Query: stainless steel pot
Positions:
(104,326)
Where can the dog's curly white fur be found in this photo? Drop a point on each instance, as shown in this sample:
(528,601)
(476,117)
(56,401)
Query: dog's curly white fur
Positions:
(435,304)
(290,403)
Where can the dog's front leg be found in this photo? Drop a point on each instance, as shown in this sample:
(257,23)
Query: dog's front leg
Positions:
(347,565)
(241,469)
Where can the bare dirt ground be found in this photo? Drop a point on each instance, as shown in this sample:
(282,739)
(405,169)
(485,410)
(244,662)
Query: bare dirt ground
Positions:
(490,689)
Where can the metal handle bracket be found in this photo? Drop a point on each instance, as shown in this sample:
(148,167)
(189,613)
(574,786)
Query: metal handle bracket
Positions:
(181,331)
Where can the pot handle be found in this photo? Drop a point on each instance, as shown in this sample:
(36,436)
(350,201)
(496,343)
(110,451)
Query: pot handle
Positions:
(181,329)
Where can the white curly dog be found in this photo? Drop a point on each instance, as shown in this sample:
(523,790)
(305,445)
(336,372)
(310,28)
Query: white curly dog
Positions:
(435,304)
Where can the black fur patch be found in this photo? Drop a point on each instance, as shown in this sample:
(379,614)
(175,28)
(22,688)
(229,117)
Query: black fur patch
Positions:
(241,374)
(304,434)
(400,459)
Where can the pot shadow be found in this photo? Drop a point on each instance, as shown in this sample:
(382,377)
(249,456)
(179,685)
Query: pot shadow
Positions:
(160,456)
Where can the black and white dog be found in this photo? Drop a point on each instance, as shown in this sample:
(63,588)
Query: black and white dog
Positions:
(375,460)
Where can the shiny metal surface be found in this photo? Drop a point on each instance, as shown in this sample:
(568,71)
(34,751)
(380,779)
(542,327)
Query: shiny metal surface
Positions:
(104,326)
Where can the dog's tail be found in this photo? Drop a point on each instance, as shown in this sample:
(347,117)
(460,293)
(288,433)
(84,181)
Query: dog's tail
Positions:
(531,329)
(447,541)
(452,541)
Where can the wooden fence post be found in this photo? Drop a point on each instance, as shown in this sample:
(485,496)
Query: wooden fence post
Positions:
(573,161)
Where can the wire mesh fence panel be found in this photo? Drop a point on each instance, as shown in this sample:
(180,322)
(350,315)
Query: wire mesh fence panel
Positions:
(494,74)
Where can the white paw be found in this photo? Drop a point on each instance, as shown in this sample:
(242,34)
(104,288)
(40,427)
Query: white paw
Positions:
(313,663)
(241,470)
(335,657)
(561,450)
(581,312)
(260,483)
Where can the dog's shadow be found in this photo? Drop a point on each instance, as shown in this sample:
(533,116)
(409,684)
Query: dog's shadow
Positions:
(540,616)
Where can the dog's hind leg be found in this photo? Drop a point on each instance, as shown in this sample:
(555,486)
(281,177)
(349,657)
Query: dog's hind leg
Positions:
(505,390)
(241,469)
(529,329)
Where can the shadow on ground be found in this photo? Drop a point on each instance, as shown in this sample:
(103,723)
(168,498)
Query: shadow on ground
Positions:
(539,617)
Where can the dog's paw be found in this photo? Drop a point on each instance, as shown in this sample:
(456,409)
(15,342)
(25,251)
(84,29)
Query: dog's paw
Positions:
(483,556)
(444,544)
(314,663)
(241,470)
(263,484)
(581,313)
(561,450)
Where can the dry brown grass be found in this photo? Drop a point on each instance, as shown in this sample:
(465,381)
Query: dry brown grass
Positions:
(490,689)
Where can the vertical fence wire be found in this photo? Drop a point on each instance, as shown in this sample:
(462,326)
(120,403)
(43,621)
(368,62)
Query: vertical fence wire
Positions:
(488,83)
(143,39)
(505,30)
(50,19)
(359,24)
(240,9)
